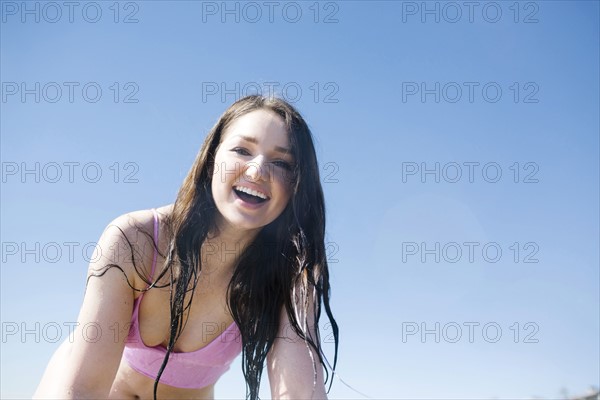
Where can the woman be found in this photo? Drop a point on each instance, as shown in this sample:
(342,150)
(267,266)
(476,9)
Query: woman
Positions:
(236,264)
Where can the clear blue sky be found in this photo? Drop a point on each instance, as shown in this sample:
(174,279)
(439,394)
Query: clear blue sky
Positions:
(518,94)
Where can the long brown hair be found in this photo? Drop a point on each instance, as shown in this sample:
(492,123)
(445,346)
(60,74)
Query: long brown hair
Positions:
(286,258)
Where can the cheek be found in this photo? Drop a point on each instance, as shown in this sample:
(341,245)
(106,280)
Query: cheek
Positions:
(217,185)
(221,172)
(285,194)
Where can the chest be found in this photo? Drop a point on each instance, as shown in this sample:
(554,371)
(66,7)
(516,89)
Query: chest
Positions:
(205,320)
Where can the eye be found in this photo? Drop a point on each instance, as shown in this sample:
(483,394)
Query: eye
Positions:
(283,164)
(241,151)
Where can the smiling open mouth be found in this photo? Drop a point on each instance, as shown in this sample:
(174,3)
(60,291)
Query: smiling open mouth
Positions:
(248,197)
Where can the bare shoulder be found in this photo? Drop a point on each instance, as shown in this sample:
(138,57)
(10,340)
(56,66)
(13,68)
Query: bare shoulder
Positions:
(132,226)
(165,210)
(128,241)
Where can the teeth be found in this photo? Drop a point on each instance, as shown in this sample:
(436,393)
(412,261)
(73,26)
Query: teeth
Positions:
(252,192)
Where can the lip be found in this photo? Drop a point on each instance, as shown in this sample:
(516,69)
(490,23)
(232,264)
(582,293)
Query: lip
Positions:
(245,204)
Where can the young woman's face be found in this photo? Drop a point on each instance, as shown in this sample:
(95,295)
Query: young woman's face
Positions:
(251,184)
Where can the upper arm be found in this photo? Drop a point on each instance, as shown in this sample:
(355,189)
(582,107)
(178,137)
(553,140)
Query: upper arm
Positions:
(105,314)
(293,365)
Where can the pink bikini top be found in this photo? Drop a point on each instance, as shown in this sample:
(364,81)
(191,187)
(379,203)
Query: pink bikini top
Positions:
(192,370)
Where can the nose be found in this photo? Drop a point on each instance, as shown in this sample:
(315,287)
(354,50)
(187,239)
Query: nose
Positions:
(256,169)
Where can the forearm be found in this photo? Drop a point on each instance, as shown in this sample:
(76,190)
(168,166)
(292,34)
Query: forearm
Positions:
(58,389)
(296,393)
(294,373)
(63,380)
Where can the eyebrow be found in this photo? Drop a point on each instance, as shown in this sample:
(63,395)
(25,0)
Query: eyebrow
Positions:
(277,148)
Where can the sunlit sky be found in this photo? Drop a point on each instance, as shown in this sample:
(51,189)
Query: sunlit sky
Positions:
(458,150)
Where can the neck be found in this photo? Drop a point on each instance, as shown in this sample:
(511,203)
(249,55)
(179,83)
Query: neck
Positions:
(222,249)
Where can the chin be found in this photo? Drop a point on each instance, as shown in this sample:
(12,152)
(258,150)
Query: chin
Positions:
(242,223)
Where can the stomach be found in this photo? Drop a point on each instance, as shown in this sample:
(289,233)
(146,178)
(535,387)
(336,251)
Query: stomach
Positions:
(130,384)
